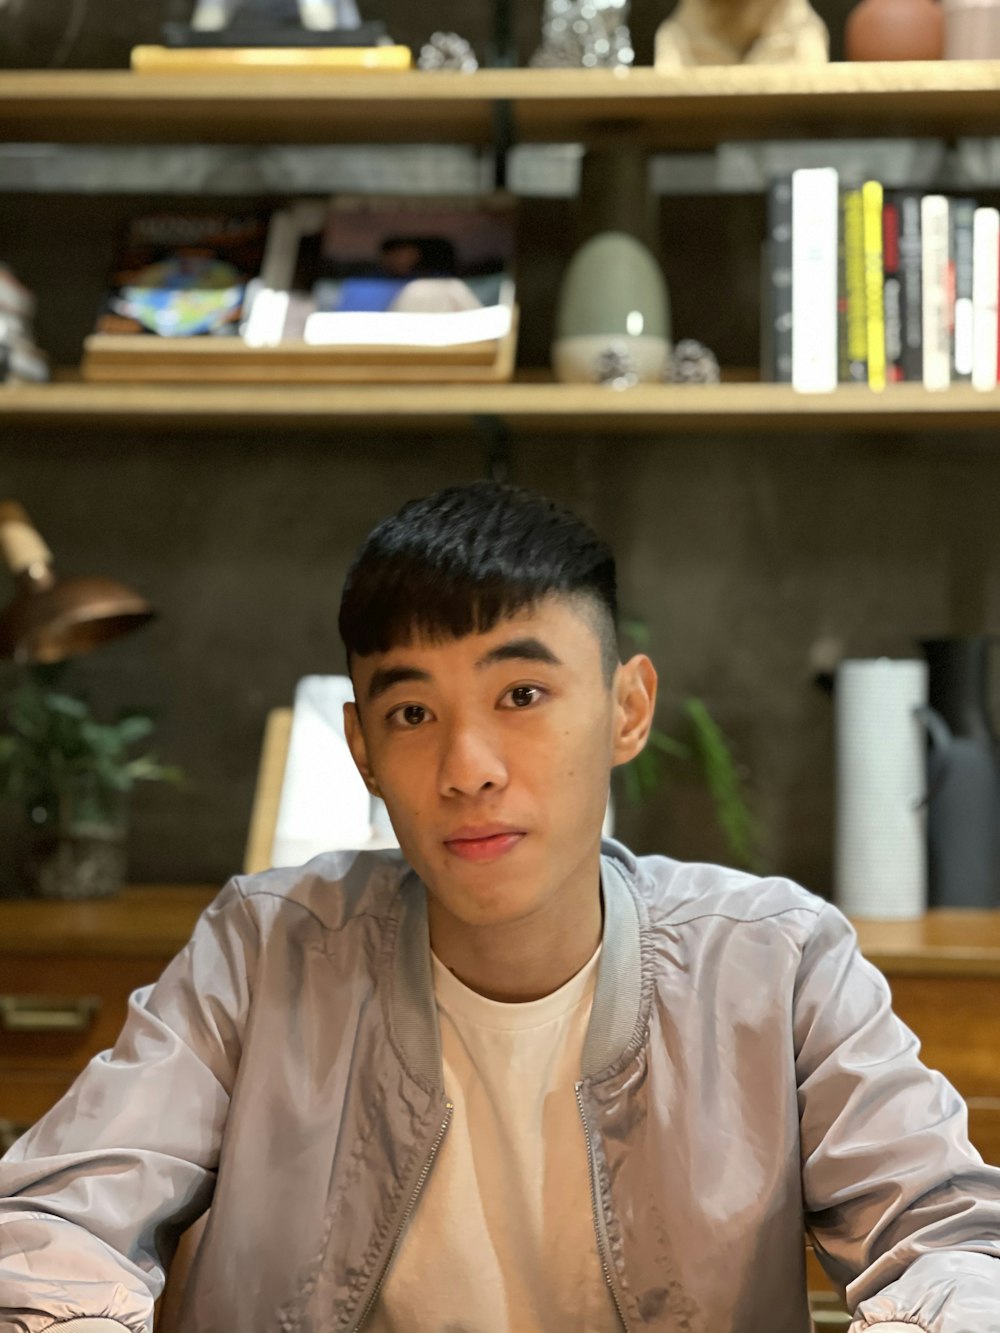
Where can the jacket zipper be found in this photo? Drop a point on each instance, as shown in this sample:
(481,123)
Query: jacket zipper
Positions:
(421,1180)
(595,1205)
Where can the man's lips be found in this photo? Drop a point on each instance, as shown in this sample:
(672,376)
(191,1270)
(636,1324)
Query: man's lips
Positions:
(485,844)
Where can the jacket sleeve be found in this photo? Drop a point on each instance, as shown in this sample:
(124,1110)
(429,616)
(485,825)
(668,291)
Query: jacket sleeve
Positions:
(95,1196)
(903,1213)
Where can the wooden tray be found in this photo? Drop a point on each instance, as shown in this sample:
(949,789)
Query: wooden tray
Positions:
(130,358)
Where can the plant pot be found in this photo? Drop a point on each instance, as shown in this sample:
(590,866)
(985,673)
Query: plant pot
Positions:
(895,30)
(82,853)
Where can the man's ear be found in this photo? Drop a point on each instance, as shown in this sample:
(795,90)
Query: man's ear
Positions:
(356,743)
(635,703)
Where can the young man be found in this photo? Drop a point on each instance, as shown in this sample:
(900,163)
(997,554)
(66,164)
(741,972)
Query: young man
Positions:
(513,1080)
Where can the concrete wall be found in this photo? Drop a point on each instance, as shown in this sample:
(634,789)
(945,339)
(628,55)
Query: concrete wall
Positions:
(755,560)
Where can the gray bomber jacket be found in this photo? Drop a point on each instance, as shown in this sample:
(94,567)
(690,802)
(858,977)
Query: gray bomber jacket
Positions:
(743,1080)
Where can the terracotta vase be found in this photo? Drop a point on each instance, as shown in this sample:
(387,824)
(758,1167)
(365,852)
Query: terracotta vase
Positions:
(895,30)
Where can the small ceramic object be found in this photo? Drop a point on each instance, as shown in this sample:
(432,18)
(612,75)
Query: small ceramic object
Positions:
(613,310)
(895,30)
(742,32)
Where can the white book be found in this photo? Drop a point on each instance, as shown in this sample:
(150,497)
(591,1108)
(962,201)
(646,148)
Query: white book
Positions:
(937,291)
(815,224)
(985,290)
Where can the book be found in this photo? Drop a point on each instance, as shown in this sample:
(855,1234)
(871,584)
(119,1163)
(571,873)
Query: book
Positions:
(985,290)
(910,269)
(815,210)
(183,274)
(854,276)
(892,292)
(936,292)
(779,297)
(300,59)
(961,217)
(871,204)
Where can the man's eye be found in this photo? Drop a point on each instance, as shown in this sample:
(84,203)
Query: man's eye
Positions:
(408,716)
(523,696)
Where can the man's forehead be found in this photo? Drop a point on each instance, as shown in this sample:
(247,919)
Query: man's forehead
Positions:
(552,613)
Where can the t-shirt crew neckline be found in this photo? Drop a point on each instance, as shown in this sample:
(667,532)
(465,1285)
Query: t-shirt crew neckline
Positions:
(461,1002)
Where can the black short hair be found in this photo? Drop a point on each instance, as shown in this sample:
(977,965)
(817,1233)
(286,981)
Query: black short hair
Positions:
(459,561)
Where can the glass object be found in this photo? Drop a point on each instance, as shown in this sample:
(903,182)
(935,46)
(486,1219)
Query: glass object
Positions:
(585,34)
(82,852)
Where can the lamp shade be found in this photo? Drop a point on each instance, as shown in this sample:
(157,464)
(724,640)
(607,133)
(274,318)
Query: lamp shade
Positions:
(49,618)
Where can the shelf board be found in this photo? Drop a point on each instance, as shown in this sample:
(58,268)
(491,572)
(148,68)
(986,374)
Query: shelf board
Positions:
(694,108)
(546,408)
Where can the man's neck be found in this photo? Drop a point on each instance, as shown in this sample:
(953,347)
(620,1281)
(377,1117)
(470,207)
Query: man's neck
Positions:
(523,960)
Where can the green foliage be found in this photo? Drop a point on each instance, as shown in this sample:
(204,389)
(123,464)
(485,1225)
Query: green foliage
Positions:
(51,744)
(710,749)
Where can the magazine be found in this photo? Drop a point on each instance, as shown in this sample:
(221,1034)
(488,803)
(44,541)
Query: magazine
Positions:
(182,275)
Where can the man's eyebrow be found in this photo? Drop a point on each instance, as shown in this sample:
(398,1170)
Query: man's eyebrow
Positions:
(384,678)
(528,649)
(524,650)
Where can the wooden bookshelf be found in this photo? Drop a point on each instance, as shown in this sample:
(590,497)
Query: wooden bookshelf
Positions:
(695,108)
(543,407)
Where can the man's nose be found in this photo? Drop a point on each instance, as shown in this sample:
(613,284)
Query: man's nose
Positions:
(471,762)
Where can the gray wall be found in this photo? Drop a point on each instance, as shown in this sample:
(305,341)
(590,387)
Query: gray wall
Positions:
(756,560)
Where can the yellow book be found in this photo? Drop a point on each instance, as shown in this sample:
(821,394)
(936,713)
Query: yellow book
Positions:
(871,202)
(242,59)
(854,263)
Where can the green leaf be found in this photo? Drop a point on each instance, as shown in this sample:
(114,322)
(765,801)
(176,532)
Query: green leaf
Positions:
(726,787)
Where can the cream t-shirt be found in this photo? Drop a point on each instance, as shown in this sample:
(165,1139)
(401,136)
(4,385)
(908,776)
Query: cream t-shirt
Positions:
(502,1239)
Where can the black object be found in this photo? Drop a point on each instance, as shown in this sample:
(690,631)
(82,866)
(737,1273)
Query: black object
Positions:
(963,775)
(273,23)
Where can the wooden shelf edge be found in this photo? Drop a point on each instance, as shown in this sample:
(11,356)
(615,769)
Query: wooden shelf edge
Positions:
(665,409)
(685,107)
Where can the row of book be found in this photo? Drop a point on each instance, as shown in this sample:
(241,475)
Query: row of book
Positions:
(20,358)
(874,286)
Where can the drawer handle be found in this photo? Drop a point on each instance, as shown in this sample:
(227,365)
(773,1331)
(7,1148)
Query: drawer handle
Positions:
(10,1132)
(47,1013)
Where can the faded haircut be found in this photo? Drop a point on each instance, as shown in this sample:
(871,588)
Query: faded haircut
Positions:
(461,560)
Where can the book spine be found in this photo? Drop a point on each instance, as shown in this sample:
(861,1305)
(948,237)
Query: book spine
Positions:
(985,289)
(962,213)
(871,200)
(936,292)
(768,370)
(815,208)
(892,292)
(910,267)
(779,300)
(854,269)
(843,360)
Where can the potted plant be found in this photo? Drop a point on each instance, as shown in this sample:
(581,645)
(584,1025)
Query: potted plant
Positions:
(72,776)
(708,747)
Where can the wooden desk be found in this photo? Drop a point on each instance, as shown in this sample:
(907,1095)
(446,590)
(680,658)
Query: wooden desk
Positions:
(67,969)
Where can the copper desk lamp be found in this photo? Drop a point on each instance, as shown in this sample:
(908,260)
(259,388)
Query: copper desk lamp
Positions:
(49,618)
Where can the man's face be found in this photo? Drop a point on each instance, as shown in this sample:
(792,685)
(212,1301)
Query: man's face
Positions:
(493,754)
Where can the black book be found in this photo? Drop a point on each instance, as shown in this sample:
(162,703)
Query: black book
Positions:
(779,299)
(960,263)
(907,205)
